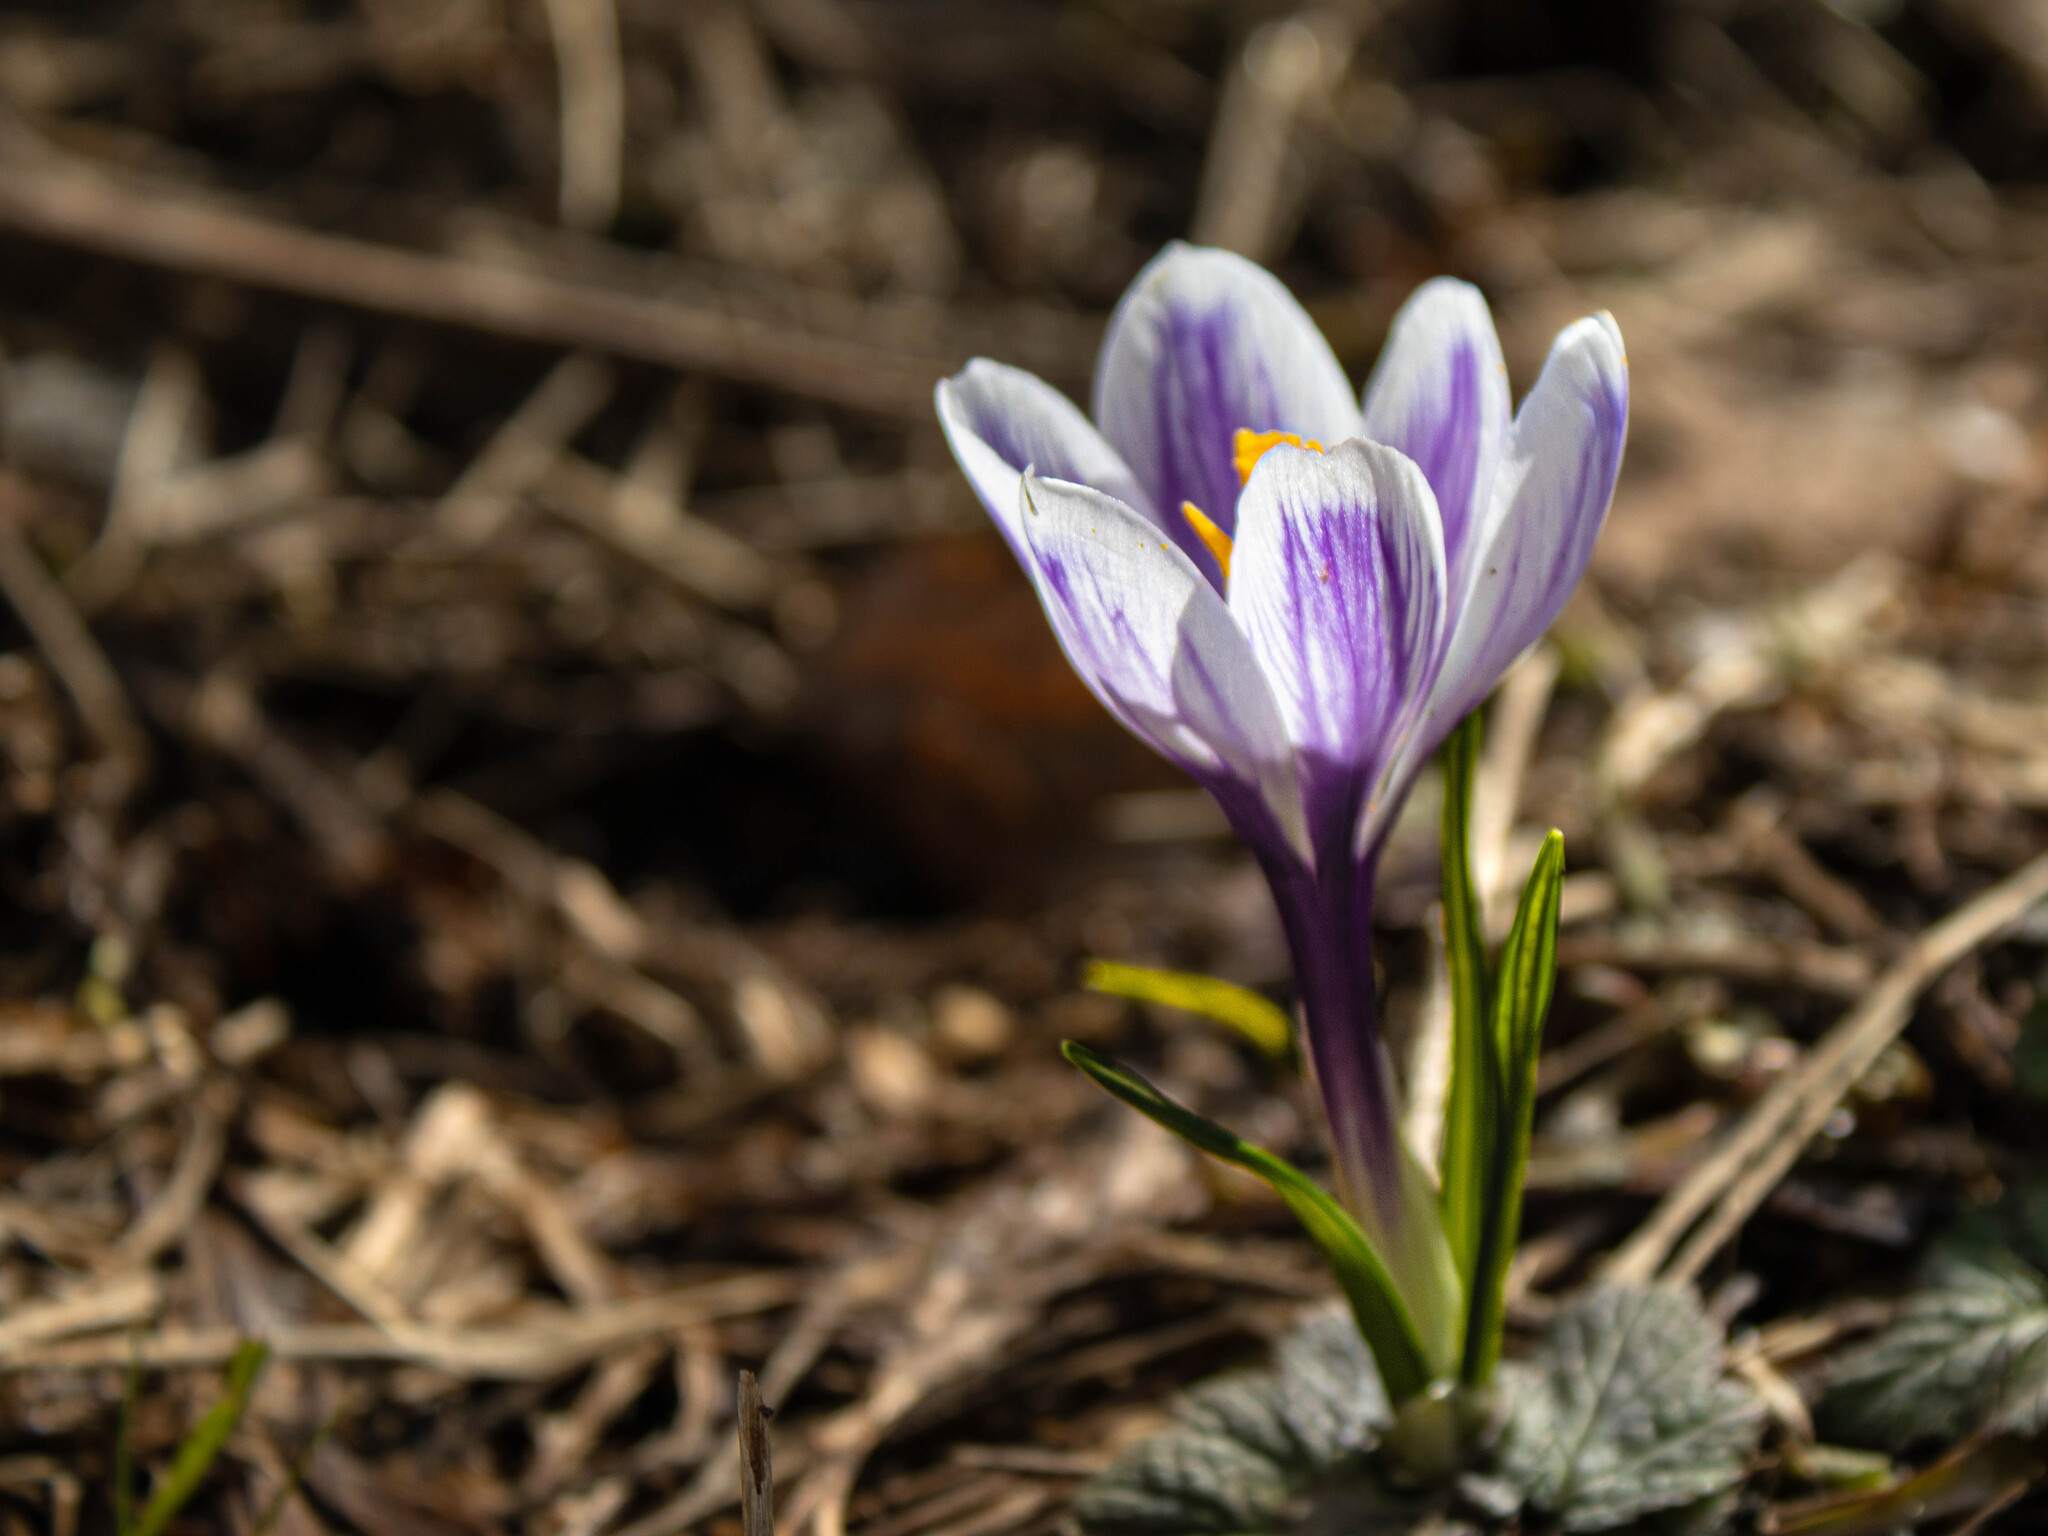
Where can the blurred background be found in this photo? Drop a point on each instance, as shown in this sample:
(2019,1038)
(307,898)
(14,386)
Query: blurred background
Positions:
(542,834)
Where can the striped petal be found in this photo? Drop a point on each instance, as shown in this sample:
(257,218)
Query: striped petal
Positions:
(1440,394)
(1549,500)
(1338,583)
(1001,421)
(1153,639)
(1203,344)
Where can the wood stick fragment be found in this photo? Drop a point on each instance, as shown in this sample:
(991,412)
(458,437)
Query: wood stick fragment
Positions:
(1013,1505)
(563,1442)
(225,714)
(1759,960)
(577,891)
(640,523)
(757,1469)
(113,1303)
(1759,827)
(67,644)
(592,88)
(162,423)
(192,1176)
(1724,1190)
(1818,629)
(62,198)
(1248,199)
(522,449)
(549,1342)
(359,1287)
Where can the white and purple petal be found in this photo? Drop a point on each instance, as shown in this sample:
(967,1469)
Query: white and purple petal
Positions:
(1202,345)
(1549,501)
(1001,421)
(1338,583)
(1152,638)
(1439,393)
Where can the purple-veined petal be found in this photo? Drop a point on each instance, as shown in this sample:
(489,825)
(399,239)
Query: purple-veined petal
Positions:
(1153,639)
(1001,421)
(1549,501)
(1440,394)
(1338,583)
(1202,345)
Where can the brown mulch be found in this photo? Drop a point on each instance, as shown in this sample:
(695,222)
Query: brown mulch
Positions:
(548,850)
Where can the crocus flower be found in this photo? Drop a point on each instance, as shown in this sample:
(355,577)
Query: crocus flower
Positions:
(1295,596)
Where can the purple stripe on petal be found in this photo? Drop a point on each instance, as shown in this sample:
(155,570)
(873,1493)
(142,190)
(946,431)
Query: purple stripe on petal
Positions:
(1204,344)
(1550,500)
(1338,582)
(1155,642)
(1440,394)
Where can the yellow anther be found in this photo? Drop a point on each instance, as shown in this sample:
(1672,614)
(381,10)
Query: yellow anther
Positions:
(1214,539)
(1251,447)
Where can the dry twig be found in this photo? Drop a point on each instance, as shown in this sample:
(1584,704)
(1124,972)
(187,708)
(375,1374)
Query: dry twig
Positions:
(57,197)
(592,84)
(74,655)
(1723,1191)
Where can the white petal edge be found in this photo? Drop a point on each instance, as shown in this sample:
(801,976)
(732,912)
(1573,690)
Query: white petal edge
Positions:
(1000,421)
(1154,641)
(1550,501)
(1204,343)
(1439,393)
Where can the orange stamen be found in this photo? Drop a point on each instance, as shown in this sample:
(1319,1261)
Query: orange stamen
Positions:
(1214,539)
(1251,446)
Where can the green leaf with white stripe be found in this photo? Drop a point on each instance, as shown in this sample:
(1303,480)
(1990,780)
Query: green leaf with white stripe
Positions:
(1521,1002)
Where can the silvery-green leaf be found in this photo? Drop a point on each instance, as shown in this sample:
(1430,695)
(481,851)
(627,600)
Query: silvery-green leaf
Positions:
(1623,1411)
(1491,1494)
(1186,1482)
(1329,1389)
(1250,1409)
(1260,1451)
(1968,1352)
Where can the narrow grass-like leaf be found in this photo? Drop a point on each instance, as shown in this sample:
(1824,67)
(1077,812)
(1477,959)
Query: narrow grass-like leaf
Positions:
(1376,1303)
(1469,1116)
(1528,970)
(198,1451)
(1259,1019)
